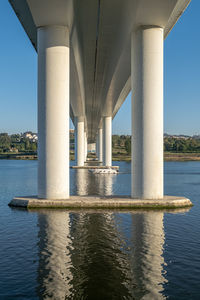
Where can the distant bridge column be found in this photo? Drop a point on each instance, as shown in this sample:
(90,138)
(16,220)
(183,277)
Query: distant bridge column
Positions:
(80,141)
(97,146)
(100,144)
(107,141)
(53,112)
(147,112)
(86,146)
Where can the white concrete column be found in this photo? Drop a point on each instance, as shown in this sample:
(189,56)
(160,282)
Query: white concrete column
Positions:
(97,147)
(80,141)
(75,142)
(147,112)
(107,141)
(100,144)
(86,150)
(53,112)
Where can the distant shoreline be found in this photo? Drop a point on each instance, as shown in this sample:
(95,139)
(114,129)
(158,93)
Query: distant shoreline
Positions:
(14,156)
(168,156)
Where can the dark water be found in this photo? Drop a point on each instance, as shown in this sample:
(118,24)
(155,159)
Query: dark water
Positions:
(51,254)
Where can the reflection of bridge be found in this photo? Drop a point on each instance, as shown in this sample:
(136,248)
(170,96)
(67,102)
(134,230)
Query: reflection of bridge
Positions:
(90,184)
(112,47)
(89,255)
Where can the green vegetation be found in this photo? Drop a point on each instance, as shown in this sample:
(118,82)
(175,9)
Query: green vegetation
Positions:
(128,146)
(182,145)
(175,148)
(24,146)
(121,147)
(16,143)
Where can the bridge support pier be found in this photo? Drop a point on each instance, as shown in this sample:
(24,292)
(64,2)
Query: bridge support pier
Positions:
(107,141)
(97,146)
(147,112)
(53,112)
(86,150)
(80,142)
(100,144)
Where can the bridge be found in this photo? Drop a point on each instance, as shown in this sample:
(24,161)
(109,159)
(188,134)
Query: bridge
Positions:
(91,54)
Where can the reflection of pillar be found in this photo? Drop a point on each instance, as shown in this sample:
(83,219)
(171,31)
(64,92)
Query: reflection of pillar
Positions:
(109,184)
(86,150)
(82,182)
(53,112)
(147,112)
(99,183)
(148,261)
(70,249)
(107,141)
(80,142)
(54,275)
(104,184)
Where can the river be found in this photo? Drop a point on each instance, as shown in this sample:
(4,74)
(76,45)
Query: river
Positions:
(60,254)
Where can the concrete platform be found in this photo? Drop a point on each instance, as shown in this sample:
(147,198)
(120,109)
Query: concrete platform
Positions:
(95,167)
(99,202)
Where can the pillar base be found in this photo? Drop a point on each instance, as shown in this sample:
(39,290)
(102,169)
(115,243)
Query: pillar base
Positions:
(95,167)
(102,202)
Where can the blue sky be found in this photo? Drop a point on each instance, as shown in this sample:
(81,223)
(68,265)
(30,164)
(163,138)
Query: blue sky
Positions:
(18,77)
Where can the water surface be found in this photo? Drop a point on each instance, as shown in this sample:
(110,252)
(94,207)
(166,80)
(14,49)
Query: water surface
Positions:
(57,254)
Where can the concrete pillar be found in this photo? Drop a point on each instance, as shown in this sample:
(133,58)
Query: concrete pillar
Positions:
(80,142)
(147,112)
(86,150)
(75,141)
(97,146)
(107,141)
(53,112)
(91,147)
(100,144)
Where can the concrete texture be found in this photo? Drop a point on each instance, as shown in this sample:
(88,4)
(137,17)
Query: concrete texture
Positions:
(99,202)
(107,141)
(147,113)
(100,144)
(80,141)
(53,112)
(86,145)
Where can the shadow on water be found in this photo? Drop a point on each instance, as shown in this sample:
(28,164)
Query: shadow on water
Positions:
(100,255)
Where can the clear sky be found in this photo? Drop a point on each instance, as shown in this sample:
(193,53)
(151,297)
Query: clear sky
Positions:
(18,77)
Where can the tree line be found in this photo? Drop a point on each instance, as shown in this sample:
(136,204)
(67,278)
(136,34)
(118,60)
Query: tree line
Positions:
(181,145)
(16,143)
(120,143)
(170,144)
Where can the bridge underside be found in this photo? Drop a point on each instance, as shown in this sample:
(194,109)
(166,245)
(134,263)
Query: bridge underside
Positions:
(100,46)
(91,54)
